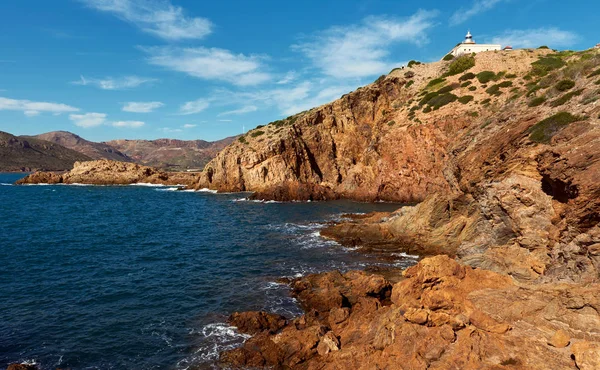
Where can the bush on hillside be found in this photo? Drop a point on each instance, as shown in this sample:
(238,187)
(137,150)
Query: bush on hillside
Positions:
(511,75)
(565,85)
(436,81)
(565,98)
(486,101)
(537,101)
(380,79)
(427,109)
(460,64)
(486,76)
(413,63)
(428,97)
(467,76)
(543,47)
(256,133)
(447,89)
(242,140)
(505,84)
(543,131)
(494,90)
(409,83)
(441,100)
(465,99)
(595,73)
(448,57)
(409,74)
(544,65)
(472,88)
(465,84)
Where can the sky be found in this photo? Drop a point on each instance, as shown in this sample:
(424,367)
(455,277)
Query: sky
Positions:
(187,69)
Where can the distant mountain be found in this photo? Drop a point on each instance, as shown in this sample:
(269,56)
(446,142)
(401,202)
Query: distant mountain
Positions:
(171,154)
(29,154)
(88,148)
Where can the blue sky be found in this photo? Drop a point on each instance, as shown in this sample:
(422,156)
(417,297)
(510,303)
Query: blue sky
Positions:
(108,69)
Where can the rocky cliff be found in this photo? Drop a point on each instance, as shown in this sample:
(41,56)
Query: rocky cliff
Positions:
(30,154)
(105,172)
(501,149)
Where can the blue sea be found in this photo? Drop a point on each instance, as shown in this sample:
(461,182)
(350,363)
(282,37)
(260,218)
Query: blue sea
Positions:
(140,277)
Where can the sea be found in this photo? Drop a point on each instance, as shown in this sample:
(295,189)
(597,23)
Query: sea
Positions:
(144,277)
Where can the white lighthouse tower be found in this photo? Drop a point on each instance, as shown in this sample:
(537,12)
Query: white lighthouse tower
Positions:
(469,46)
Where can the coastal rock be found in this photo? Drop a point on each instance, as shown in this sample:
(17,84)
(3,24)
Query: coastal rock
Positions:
(105,172)
(22,367)
(442,315)
(255,322)
(560,339)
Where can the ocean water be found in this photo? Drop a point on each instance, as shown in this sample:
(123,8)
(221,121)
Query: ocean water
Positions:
(140,277)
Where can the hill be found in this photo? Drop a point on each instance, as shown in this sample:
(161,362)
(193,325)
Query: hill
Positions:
(88,148)
(31,154)
(169,153)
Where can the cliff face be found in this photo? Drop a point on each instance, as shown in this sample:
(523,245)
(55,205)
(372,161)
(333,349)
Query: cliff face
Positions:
(30,154)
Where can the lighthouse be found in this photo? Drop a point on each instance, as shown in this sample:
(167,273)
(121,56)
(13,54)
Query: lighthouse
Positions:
(469,46)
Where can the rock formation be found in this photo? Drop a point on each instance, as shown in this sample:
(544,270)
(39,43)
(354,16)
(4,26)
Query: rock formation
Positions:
(89,148)
(508,183)
(105,172)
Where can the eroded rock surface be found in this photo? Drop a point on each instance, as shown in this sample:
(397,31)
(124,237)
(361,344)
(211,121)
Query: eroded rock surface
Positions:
(105,172)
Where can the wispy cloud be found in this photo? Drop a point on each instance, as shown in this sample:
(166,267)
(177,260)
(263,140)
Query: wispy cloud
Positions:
(533,38)
(33,108)
(128,124)
(363,50)
(157,17)
(225,120)
(243,110)
(170,130)
(88,120)
(478,6)
(289,77)
(193,107)
(141,107)
(189,125)
(110,83)
(210,64)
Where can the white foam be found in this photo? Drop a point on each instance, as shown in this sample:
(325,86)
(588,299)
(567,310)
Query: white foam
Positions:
(5,184)
(404,255)
(218,337)
(148,184)
(207,190)
(168,189)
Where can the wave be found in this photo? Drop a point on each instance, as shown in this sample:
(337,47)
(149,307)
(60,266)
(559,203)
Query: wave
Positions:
(148,184)
(404,255)
(169,189)
(5,184)
(207,190)
(216,338)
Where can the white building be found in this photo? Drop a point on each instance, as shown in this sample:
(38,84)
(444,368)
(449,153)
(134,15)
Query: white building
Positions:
(470,46)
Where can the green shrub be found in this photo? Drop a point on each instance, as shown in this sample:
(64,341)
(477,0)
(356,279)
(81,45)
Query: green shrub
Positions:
(467,76)
(409,74)
(472,88)
(465,84)
(486,76)
(543,131)
(565,98)
(395,69)
(380,79)
(414,108)
(564,85)
(260,126)
(256,133)
(445,89)
(448,57)
(537,101)
(527,77)
(494,90)
(474,114)
(460,64)
(428,97)
(427,109)
(391,123)
(436,81)
(409,83)
(242,139)
(543,47)
(465,99)
(413,63)
(505,84)
(544,65)
(486,101)
(441,100)
(511,75)
(597,82)
(595,73)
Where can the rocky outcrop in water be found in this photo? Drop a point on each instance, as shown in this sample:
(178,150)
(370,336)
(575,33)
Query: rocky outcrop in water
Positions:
(440,315)
(105,172)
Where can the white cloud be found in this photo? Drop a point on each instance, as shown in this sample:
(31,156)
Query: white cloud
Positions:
(363,50)
(128,124)
(289,77)
(533,38)
(478,6)
(110,83)
(210,64)
(188,125)
(225,120)
(141,107)
(157,17)
(88,120)
(243,110)
(171,130)
(193,107)
(33,108)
